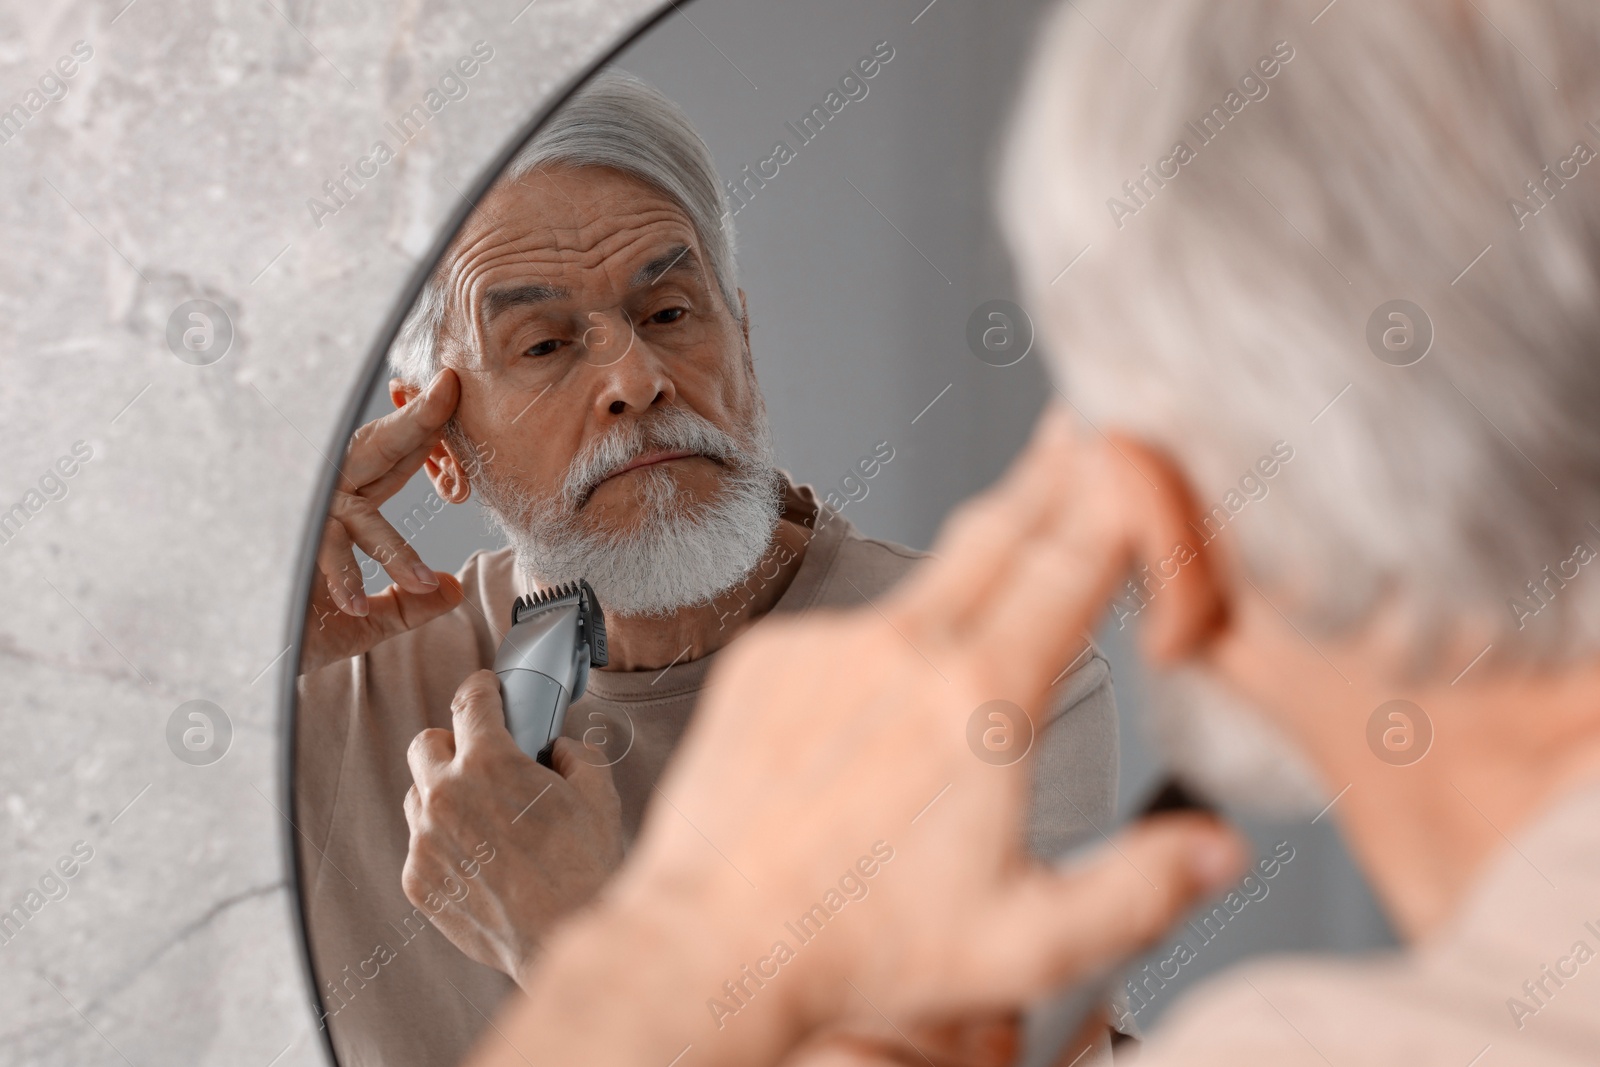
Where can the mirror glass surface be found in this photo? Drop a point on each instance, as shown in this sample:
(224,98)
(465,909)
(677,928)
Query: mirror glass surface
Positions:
(855,144)
(729,341)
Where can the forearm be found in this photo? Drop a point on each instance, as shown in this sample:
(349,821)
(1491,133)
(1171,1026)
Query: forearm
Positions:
(625,985)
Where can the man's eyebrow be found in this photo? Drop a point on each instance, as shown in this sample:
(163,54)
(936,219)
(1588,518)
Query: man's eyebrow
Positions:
(674,258)
(497,300)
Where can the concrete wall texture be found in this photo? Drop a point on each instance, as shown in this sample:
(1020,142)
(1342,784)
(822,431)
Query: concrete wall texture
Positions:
(175,164)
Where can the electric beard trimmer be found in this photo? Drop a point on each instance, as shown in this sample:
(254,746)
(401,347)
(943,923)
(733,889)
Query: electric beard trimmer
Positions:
(543,664)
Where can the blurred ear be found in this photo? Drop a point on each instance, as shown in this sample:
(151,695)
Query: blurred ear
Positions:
(1179,574)
(445,469)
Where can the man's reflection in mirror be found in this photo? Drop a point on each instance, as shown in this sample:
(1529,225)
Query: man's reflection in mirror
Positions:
(581,359)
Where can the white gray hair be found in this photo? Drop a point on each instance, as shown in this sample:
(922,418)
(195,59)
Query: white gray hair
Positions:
(619,122)
(1229,307)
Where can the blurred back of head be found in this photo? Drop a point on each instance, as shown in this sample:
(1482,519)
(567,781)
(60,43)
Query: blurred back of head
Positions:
(1251,186)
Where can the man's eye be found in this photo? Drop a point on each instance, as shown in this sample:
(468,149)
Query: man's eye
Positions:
(543,348)
(667,316)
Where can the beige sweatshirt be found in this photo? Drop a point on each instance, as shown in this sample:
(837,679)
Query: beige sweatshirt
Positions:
(1512,980)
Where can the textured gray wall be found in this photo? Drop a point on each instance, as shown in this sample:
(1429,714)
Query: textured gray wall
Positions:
(176,166)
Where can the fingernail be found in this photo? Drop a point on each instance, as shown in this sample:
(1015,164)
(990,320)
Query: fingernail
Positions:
(425,575)
(358,604)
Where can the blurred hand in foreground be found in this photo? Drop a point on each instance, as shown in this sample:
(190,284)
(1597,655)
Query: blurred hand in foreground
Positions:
(829,776)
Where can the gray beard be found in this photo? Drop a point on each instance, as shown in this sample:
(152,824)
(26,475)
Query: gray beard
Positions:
(680,551)
(1228,751)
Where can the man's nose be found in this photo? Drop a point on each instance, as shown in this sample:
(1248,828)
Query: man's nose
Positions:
(632,377)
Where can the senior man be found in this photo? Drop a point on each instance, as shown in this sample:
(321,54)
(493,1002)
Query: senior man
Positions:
(1406,616)
(581,359)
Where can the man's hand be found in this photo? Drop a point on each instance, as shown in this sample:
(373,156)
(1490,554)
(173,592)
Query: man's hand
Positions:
(823,737)
(341,619)
(556,834)
(820,737)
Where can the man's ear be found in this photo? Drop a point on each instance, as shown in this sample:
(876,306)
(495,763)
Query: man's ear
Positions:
(445,469)
(1178,572)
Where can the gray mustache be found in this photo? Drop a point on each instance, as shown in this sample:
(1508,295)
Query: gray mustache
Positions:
(669,429)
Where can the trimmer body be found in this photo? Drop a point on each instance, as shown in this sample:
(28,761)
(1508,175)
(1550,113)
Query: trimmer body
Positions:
(543,664)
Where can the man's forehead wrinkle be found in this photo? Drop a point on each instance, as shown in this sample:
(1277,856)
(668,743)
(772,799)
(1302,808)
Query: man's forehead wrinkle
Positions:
(590,234)
(621,261)
(494,242)
(463,296)
(512,229)
(481,255)
(575,216)
(613,251)
(558,243)
(478,257)
(486,216)
(601,201)
(503,267)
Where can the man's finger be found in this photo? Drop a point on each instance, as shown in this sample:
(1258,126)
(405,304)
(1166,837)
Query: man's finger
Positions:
(389,614)
(413,808)
(1058,584)
(375,536)
(387,485)
(395,611)
(429,756)
(336,561)
(478,715)
(380,445)
(1060,926)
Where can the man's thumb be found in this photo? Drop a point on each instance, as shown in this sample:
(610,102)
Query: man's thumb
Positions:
(395,611)
(1064,925)
(333,635)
